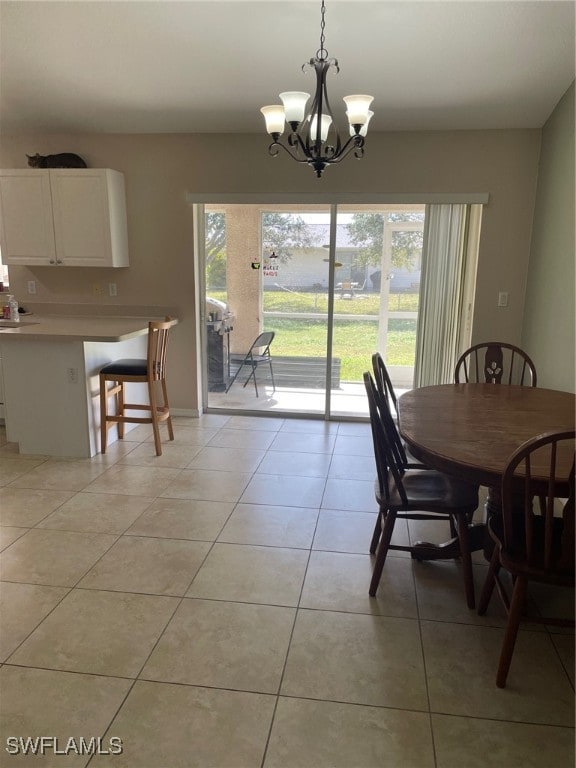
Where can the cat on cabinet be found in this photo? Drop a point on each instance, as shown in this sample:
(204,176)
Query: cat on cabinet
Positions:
(63,160)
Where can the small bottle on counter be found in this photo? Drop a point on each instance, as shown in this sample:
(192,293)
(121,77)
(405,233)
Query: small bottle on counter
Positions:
(13,307)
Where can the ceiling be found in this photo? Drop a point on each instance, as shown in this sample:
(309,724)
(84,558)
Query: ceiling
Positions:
(147,67)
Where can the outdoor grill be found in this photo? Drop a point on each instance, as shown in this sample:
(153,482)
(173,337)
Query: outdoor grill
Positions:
(219,323)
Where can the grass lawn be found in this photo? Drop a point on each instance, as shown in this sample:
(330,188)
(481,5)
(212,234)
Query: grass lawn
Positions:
(364,304)
(354,340)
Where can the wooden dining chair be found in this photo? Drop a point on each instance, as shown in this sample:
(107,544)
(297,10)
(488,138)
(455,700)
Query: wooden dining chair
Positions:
(152,372)
(414,494)
(495,362)
(536,542)
(402,453)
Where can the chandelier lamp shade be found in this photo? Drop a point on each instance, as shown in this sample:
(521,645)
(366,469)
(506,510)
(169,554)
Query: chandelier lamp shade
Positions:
(313,136)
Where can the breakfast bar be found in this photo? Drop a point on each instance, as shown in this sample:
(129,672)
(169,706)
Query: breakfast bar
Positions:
(50,369)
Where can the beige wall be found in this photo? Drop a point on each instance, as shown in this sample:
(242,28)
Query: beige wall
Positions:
(548,332)
(160,169)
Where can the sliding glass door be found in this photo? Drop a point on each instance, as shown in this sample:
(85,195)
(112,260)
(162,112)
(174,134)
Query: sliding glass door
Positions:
(333,283)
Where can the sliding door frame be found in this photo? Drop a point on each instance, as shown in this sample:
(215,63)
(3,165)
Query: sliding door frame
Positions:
(199,201)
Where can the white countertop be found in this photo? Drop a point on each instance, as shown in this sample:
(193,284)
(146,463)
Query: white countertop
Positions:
(67,328)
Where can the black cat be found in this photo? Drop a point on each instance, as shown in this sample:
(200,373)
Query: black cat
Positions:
(63,160)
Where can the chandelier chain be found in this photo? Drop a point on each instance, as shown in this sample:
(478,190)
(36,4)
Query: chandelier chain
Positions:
(322,53)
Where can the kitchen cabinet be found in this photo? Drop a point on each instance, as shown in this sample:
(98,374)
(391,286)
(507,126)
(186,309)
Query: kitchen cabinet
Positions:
(69,217)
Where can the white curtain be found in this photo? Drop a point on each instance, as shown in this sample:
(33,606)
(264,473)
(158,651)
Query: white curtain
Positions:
(449,253)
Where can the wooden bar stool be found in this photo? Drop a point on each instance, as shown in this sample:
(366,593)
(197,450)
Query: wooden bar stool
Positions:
(150,371)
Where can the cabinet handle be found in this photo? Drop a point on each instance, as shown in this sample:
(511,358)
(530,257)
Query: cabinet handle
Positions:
(52,261)
(59,261)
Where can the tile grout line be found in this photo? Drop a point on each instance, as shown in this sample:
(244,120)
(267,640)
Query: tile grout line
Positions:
(290,638)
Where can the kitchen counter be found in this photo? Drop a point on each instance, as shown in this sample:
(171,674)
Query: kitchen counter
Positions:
(60,328)
(50,367)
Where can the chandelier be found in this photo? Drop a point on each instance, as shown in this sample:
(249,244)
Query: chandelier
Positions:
(314,137)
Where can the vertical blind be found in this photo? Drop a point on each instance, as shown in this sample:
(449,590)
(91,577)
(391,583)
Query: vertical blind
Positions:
(449,253)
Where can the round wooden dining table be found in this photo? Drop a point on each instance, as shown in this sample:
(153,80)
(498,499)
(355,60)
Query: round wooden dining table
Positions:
(471,430)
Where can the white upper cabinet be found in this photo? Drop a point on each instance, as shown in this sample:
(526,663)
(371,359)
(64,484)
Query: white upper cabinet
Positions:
(72,217)
(27,233)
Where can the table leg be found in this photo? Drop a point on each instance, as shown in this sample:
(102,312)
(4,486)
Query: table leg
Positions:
(477,533)
(493,507)
(493,504)
(449,550)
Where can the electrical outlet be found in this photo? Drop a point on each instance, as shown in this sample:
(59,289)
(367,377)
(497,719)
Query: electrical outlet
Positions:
(112,289)
(96,289)
(503,299)
(31,286)
(72,375)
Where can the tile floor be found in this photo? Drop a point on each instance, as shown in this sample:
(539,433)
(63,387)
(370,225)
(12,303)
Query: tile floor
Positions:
(209,607)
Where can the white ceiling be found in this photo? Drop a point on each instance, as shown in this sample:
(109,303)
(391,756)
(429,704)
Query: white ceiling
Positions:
(189,66)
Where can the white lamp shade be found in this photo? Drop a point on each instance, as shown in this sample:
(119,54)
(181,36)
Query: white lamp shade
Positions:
(324,126)
(274,116)
(358,108)
(294,105)
(364,129)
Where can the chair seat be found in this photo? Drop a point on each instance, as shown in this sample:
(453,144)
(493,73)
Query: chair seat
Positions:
(433,490)
(253,359)
(126,367)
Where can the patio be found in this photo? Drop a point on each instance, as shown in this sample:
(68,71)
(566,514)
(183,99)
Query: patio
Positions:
(348,402)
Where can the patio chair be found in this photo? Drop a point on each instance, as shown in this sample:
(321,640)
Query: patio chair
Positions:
(253,359)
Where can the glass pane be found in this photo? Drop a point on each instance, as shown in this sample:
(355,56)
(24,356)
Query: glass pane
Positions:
(269,267)
(218,321)
(378,252)
(295,284)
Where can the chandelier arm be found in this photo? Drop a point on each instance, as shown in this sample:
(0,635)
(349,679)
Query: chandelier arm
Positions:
(354,144)
(274,151)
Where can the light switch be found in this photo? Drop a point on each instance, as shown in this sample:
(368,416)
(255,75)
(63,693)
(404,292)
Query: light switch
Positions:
(503,299)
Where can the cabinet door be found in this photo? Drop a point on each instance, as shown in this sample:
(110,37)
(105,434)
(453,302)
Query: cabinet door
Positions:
(81,217)
(27,231)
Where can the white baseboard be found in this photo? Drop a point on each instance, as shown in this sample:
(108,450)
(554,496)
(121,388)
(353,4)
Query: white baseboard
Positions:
(193,413)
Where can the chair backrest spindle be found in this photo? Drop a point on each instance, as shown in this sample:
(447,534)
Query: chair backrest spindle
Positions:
(157,347)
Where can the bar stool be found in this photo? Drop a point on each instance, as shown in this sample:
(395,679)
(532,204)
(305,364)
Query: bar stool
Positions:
(149,372)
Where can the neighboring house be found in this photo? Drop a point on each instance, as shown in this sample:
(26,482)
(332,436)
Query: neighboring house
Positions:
(307,268)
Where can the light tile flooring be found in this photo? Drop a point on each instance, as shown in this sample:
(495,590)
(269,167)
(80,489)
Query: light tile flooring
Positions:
(209,607)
